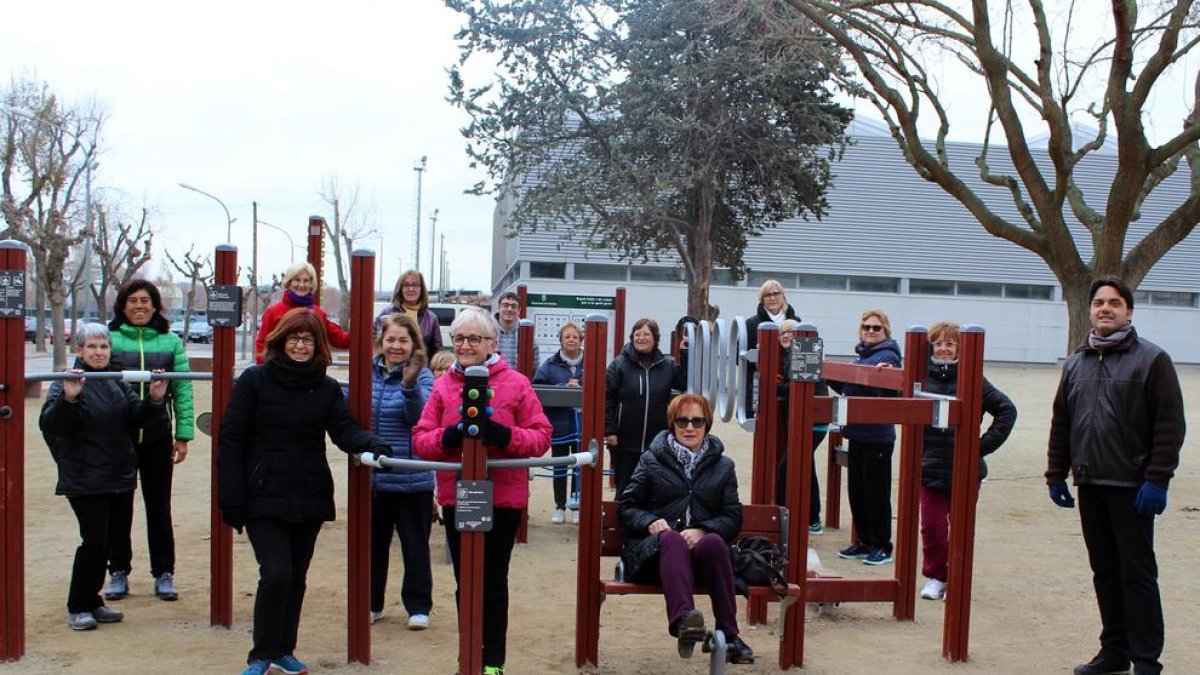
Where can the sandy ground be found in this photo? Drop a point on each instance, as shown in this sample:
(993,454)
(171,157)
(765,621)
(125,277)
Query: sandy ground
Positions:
(1033,609)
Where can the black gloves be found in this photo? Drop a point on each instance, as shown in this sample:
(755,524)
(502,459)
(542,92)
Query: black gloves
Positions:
(452,437)
(381,450)
(497,435)
(1060,495)
(234,517)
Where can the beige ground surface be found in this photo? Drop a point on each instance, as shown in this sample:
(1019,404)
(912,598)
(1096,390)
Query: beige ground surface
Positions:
(1032,611)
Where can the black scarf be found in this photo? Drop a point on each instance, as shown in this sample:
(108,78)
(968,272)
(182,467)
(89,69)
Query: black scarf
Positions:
(292,374)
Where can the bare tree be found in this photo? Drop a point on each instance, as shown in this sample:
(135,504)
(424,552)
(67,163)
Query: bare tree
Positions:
(121,246)
(351,222)
(1063,65)
(199,272)
(44,149)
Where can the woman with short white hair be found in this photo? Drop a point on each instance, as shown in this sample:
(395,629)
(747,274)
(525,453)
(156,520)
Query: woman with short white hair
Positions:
(517,427)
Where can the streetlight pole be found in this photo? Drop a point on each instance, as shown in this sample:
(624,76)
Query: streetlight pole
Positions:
(229,220)
(432,243)
(419,167)
(291,242)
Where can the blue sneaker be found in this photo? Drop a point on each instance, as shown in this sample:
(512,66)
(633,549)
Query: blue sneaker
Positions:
(289,664)
(856,551)
(877,557)
(257,667)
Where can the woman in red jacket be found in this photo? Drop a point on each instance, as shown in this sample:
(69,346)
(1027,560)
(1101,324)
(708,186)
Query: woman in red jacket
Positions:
(299,281)
(517,428)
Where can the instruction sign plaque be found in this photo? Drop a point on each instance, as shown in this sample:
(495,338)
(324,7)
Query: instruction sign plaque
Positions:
(225,306)
(12,294)
(473,505)
(807,354)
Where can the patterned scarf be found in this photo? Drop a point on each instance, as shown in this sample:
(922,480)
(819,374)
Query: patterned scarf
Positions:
(687,459)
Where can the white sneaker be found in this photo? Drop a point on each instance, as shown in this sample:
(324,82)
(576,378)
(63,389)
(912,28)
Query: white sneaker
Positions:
(575,517)
(418,622)
(934,590)
(559,517)
(376,616)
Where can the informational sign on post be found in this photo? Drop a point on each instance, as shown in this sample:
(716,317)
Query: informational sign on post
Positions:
(473,506)
(225,306)
(12,293)
(550,311)
(806,357)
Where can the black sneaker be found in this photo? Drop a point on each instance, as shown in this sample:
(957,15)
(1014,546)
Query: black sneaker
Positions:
(105,615)
(737,651)
(856,551)
(1104,664)
(688,630)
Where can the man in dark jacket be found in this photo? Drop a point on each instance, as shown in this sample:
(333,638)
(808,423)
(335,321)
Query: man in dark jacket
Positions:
(1118,426)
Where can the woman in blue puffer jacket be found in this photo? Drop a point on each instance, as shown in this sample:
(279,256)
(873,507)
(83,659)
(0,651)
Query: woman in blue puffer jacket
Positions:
(401,500)
(564,368)
(871,445)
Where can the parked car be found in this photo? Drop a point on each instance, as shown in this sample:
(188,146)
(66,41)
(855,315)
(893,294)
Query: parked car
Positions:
(198,330)
(30,328)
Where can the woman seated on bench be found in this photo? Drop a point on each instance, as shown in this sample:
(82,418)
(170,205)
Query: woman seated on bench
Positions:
(680,512)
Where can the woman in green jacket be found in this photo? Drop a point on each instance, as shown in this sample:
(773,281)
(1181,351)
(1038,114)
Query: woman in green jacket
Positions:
(142,340)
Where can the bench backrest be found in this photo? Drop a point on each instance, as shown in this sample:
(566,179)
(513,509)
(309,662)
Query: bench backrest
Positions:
(758,520)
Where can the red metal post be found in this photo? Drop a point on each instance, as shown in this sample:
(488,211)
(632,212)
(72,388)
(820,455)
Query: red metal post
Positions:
(618,321)
(964,494)
(912,437)
(833,482)
(587,584)
(522,300)
(220,599)
(12,460)
(316,250)
(801,419)
(358,545)
(525,366)
(766,445)
(470,571)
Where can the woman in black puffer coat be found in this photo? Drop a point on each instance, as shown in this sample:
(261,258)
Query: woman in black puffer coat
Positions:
(273,478)
(637,389)
(680,512)
(937,460)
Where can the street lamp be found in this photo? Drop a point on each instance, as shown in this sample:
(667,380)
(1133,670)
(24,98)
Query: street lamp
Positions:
(419,167)
(229,226)
(291,243)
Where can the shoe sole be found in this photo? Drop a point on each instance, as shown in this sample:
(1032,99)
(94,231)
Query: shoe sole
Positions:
(277,668)
(118,619)
(855,556)
(877,563)
(418,626)
(169,597)
(114,596)
(691,632)
(932,597)
(86,626)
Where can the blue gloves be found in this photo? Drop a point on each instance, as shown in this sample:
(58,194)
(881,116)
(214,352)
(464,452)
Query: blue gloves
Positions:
(1151,500)
(1060,495)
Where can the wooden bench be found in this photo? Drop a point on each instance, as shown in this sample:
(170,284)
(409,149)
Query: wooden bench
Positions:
(758,520)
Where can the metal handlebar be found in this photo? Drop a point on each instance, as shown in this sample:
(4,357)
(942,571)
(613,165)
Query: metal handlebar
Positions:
(585,458)
(123,375)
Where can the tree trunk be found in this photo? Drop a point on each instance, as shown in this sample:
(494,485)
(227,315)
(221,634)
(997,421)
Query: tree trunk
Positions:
(1079,321)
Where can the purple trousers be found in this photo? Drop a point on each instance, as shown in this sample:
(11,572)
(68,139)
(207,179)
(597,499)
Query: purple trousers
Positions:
(708,564)
(935,533)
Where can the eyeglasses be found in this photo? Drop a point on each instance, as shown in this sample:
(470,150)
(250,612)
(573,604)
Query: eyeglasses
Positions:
(306,340)
(509,305)
(473,339)
(694,422)
(772,294)
(871,328)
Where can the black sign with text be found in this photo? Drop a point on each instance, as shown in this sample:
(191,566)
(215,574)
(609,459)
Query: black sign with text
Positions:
(473,506)
(225,306)
(12,294)
(807,354)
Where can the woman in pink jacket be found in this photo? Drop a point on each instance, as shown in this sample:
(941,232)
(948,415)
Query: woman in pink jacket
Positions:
(517,428)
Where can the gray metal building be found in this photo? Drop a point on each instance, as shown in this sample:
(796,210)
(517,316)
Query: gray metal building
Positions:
(895,242)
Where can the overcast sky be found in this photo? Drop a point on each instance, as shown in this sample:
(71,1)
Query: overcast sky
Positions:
(262,100)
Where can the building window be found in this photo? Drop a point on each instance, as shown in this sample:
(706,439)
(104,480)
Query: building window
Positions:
(874,285)
(829,282)
(595,272)
(638,273)
(930,287)
(547,270)
(722,278)
(1028,292)
(1164,298)
(980,289)
(755,279)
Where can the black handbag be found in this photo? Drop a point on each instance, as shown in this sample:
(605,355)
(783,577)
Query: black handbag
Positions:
(757,561)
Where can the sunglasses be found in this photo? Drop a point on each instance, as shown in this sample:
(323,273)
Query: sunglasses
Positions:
(694,422)
(871,328)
